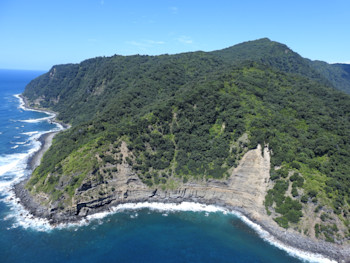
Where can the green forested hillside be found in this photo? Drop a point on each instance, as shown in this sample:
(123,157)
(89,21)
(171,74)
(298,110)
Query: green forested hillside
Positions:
(279,56)
(192,117)
(337,74)
(272,54)
(79,92)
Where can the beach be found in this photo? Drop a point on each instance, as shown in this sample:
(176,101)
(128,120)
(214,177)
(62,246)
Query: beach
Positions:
(46,141)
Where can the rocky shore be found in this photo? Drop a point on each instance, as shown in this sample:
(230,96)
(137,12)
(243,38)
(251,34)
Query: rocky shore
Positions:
(244,192)
(288,238)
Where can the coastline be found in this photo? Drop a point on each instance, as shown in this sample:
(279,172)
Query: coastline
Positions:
(286,238)
(46,141)
(46,138)
(293,243)
(25,106)
(21,194)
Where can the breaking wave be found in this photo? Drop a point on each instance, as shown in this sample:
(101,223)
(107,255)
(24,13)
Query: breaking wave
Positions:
(25,220)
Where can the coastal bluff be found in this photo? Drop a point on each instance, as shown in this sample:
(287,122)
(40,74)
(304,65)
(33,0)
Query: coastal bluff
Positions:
(244,189)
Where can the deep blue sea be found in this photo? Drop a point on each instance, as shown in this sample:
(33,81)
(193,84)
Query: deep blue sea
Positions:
(191,233)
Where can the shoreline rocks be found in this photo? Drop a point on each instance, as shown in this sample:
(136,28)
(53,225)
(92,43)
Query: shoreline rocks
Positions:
(286,237)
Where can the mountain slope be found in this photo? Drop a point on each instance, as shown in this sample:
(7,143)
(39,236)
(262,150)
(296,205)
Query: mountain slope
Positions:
(189,119)
(270,53)
(337,74)
(281,57)
(79,92)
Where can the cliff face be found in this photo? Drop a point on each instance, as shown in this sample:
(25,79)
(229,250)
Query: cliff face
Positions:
(245,188)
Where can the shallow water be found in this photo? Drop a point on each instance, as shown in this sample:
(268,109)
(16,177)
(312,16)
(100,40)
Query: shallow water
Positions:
(133,233)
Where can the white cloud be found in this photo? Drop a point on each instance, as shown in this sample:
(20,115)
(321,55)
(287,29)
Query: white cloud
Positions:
(146,43)
(155,42)
(185,40)
(174,9)
(137,44)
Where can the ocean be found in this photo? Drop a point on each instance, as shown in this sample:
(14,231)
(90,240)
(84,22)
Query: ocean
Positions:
(130,233)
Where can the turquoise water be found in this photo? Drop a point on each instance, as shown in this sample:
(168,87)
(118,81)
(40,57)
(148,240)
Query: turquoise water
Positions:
(142,235)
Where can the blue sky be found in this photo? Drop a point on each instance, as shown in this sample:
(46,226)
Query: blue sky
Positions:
(39,34)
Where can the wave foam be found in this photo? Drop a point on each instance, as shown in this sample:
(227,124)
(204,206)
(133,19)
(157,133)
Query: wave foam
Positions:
(23,107)
(17,163)
(30,133)
(303,255)
(11,162)
(19,143)
(22,104)
(39,119)
(13,169)
(24,219)
(167,207)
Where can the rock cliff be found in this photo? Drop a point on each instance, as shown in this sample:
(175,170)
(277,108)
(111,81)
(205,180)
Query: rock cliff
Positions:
(245,188)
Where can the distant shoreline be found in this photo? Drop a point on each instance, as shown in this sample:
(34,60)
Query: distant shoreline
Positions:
(287,238)
(45,139)
(47,111)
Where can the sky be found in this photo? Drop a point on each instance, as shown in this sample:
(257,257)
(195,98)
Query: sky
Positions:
(38,34)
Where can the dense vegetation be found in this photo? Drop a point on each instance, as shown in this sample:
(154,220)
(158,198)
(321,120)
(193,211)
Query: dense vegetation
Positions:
(337,74)
(282,58)
(192,117)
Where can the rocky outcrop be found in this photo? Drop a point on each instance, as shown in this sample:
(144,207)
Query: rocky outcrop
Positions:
(245,189)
